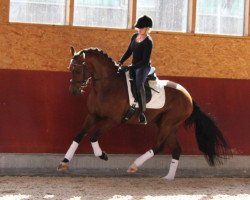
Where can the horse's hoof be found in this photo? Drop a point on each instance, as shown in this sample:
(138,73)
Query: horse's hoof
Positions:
(104,156)
(63,167)
(132,168)
(168,178)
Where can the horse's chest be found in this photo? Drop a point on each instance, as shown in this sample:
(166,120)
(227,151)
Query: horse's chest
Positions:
(99,103)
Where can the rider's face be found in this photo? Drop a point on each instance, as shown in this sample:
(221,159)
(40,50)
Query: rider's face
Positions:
(142,31)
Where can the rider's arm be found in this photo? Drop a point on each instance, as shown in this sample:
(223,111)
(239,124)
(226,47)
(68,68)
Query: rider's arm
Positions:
(128,53)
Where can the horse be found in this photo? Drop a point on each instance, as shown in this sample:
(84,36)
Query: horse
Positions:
(108,102)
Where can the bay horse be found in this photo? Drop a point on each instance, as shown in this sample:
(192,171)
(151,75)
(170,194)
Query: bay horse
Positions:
(108,101)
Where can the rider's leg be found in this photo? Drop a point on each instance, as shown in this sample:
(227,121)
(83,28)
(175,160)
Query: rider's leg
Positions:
(141,75)
(142,105)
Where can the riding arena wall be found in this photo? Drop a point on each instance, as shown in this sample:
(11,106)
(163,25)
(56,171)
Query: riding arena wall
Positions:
(38,115)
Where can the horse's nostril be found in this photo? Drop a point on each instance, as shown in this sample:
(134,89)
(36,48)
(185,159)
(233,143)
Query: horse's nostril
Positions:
(75,91)
(72,90)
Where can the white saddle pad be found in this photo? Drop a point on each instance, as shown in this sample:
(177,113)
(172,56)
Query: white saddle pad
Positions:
(158,99)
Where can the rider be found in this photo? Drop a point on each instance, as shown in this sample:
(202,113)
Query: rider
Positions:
(140,46)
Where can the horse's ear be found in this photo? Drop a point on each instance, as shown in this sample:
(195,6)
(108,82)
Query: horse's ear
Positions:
(72,51)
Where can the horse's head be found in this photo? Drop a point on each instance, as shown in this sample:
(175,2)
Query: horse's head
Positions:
(88,64)
(80,73)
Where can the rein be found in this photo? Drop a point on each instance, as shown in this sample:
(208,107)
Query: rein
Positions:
(84,81)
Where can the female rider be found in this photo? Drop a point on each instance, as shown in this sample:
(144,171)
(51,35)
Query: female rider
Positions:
(140,46)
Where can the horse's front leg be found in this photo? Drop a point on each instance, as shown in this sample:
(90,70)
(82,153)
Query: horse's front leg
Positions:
(99,128)
(64,165)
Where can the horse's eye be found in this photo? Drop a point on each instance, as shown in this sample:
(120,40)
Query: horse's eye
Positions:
(78,71)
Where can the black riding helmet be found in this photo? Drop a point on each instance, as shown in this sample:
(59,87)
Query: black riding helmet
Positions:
(144,21)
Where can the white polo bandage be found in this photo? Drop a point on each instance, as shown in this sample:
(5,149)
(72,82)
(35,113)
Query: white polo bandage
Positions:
(143,158)
(70,153)
(172,170)
(96,148)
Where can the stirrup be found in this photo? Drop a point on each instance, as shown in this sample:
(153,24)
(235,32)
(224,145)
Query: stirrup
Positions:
(142,119)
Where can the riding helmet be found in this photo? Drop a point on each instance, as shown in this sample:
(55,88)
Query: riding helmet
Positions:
(144,21)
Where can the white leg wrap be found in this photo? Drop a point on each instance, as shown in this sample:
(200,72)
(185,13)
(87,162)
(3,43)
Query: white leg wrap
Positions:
(96,148)
(72,149)
(172,170)
(143,158)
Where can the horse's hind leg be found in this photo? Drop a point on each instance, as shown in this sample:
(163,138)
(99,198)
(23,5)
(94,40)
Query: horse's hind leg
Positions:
(149,154)
(167,135)
(172,142)
(146,156)
(140,160)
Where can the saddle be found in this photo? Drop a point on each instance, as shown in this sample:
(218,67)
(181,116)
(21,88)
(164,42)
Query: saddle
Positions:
(148,90)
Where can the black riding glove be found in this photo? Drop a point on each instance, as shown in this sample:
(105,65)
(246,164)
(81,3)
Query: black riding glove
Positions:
(122,69)
(119,63)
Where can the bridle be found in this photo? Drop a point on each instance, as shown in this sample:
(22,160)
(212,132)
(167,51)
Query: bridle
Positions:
(84,69)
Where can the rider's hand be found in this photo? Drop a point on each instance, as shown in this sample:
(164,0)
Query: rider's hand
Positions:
(119,63)
(122,69)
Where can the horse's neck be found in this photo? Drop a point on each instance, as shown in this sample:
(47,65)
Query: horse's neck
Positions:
(102,71)
(104,74)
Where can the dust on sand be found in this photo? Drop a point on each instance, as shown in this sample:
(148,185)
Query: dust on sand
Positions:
(123,188)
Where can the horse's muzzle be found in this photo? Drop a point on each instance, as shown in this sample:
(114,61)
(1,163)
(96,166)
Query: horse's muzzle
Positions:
(75,91)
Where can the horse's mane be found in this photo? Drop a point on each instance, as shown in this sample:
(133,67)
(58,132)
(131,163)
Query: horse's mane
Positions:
(98,51)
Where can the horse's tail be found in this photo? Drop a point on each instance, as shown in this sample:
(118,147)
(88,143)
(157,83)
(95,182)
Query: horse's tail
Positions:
(209,137)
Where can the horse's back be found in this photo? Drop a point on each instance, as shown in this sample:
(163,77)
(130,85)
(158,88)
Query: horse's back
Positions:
(176,91)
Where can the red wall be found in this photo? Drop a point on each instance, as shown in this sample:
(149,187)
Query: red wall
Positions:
(37,115)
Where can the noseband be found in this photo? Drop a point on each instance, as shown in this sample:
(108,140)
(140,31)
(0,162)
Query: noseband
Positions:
(84,70)
(83,82)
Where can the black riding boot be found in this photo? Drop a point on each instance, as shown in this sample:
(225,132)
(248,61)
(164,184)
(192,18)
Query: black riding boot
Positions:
(142,106)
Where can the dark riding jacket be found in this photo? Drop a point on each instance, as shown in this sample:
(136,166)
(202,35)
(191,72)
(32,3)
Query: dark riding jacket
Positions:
(141,52)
